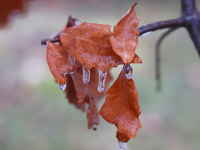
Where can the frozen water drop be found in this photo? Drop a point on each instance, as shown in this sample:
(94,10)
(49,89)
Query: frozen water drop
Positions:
(62,86)
(122,145)
(65,73)
(102,79)
(43,45)
(44,42)
(86,75)
(128,71)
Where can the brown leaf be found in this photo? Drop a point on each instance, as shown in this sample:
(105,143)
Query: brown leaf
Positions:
(59,61)
(136,59)
(125,36)
(71,94)
(121,107)
(92,112)
(89,43)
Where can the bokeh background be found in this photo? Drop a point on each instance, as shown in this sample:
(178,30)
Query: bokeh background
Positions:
(34,113)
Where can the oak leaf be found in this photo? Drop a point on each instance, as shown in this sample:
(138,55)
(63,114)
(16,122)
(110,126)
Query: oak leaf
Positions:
(121,107)
(89,43)
(59,61)
(124,39)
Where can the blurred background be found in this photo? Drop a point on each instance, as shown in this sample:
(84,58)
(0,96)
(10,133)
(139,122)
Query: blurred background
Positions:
(34,113)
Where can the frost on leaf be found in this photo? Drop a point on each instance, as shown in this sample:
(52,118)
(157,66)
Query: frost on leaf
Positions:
(121,107)
(59,61)
(124,39)
(89,43)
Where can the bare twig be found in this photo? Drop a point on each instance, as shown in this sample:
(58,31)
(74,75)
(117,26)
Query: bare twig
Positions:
(157,57)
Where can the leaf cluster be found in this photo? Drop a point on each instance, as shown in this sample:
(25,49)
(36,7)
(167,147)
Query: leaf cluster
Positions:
(80,57)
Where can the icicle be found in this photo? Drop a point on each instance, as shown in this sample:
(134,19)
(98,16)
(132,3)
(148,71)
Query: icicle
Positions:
(62,86)
(122,145)
(102,79)
(128,71)
(86,75)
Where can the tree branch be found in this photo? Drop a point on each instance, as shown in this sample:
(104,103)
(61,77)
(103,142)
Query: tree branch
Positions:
(162,25)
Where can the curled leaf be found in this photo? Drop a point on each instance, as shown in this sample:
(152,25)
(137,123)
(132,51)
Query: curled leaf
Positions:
(92,111)
(124,39)
(89,43)
(59,61)
(121,107)
(71,94)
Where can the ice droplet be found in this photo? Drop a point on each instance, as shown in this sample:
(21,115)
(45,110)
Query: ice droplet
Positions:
(122,145)
(43,45)
(65,73)
(102,79)
(128,71)
(86,75)
(62,86)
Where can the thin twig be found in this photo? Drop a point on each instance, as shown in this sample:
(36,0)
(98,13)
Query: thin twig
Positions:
(157,59)
(161,25)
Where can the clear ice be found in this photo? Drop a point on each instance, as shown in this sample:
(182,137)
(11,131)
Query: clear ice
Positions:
(86,75)
(62,86)
(43,45)
(122,145)
(102,79)
(129,72)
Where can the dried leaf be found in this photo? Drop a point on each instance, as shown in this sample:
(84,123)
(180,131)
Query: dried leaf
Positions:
(125,36)
(89,43)
(92,112)
(121,107)
(59,61)
(136,59)
(71,94)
